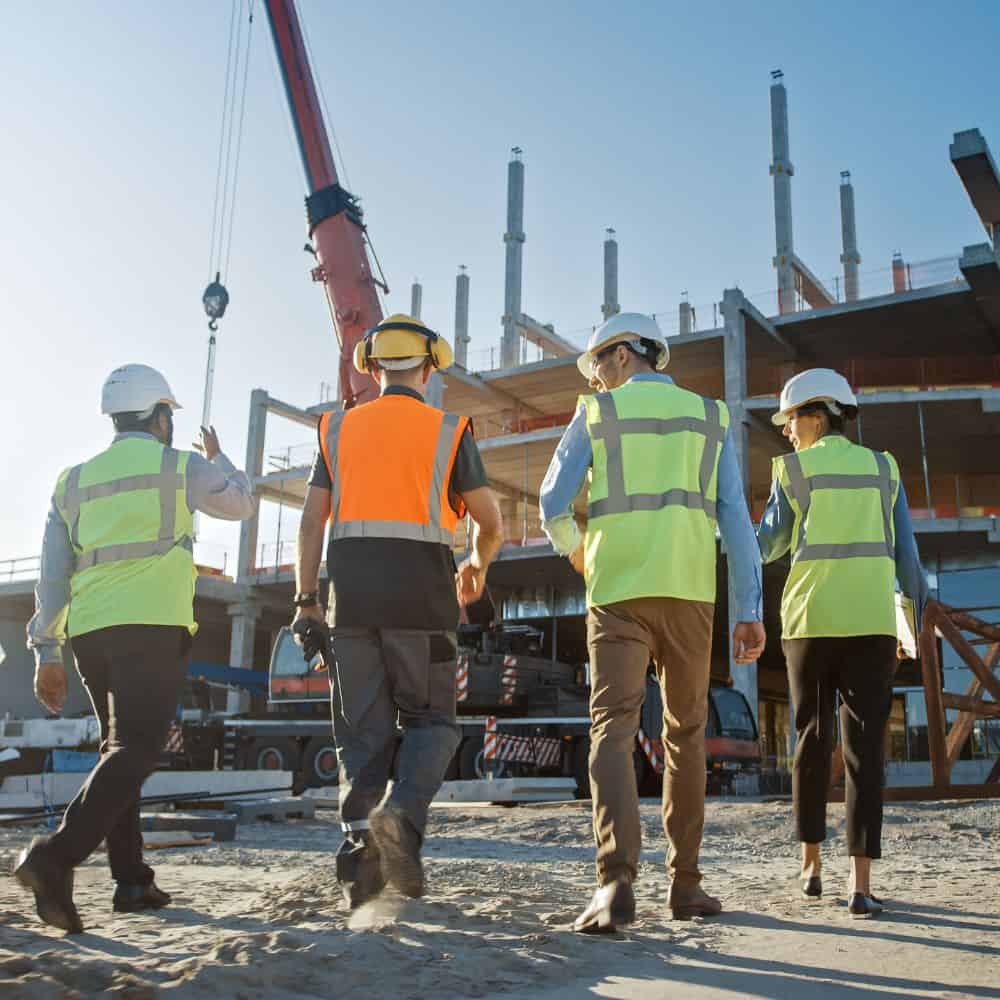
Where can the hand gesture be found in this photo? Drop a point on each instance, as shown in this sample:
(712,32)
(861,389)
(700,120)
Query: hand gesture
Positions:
(209,443)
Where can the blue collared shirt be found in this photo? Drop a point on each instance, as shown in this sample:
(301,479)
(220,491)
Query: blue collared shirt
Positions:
(567,473)
(775,538)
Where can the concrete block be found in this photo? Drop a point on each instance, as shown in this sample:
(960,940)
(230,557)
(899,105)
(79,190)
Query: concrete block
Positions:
(222,825)
(275,810)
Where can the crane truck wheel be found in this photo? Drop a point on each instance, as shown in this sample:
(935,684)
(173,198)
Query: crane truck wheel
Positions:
(471,765)
(274,755)
(320,764)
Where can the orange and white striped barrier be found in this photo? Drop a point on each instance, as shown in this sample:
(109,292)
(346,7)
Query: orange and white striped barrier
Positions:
(508,680)
(462,677)
(649,750)
(175,738)
(491,742)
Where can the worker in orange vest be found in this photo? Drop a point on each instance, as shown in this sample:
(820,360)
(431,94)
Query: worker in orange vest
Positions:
(393,478)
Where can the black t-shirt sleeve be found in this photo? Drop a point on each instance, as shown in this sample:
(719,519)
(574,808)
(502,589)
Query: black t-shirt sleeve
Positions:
(320,475)
(468,472)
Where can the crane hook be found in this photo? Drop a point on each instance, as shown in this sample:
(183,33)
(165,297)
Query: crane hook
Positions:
(215,299)
(213,325)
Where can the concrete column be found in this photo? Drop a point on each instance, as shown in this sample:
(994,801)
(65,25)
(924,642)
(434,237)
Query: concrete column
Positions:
(782,171)
(735,364)
(247,557)
(462,318)
(510,344)
(610,307)
(241,644)
(850,258)
(416,298)
(434,390)
(686,317)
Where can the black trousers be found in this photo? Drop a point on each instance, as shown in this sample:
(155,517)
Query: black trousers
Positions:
(860,669)
(134,675)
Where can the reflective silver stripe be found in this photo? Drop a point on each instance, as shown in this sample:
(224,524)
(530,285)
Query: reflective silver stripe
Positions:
(615,471)
(802,487)
(797,484)
(355,825)
(71,504)
(406,530)
(101,491)
(885,489)
(656,501)
(846,550)
(131,550)
(332,442)
(610,430)
(170,483)
(442,455)
(714,435)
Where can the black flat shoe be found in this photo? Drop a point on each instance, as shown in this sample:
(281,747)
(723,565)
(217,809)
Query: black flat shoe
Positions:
(862,907)
(52,885)
(812,887)
(612,906)
(135,898)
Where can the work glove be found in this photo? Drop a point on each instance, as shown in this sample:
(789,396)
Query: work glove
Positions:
(314,637)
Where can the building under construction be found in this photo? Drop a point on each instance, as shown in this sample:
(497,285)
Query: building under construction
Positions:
(920,342)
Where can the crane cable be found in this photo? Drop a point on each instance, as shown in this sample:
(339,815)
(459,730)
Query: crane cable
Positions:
(216,298)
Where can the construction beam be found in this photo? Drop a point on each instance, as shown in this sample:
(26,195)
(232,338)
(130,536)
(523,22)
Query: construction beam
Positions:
(970,706)
(753,313)
(971,158)
(545,337)
(981,269)
(811,288)
(519,440)
(282,409)
(505,400)
(930,668)
(990,398)
(961,645)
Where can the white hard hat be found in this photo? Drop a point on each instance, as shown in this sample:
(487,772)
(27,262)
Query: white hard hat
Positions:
(630,327)
(136,389)
(813,386)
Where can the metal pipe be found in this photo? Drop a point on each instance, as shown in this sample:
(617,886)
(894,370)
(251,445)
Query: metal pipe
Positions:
(462,318)
(923,456)
(610,307)
(416,299)
(850,258)
(514,240)
(782,171)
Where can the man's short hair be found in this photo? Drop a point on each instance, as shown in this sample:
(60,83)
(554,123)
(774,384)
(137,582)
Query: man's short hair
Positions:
(125,422)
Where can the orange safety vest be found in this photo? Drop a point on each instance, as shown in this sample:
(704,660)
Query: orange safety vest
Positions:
(390,463)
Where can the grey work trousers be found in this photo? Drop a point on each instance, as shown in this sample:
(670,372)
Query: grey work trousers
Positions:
(393,707)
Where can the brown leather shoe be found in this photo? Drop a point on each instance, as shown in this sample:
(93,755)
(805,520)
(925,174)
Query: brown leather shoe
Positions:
(612,906)
(688,903)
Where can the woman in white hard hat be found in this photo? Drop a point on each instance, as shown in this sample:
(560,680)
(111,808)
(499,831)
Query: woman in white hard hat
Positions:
(840,510)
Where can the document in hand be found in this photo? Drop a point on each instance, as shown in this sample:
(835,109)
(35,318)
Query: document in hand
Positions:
(906,625)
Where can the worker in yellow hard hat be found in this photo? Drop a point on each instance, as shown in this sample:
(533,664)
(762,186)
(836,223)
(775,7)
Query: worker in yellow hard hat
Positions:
(840,509)
(393,477)
(117,579)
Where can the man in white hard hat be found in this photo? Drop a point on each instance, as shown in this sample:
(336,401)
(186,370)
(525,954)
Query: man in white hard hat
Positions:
(117,578)
(662,472)
(392,479)
(840,510)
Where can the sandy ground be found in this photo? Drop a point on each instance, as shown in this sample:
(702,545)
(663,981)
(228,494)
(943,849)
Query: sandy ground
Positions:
(262,917)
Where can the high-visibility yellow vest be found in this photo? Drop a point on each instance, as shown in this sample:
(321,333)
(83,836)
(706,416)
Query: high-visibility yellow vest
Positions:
(653,487)
(131,530)
(843,575)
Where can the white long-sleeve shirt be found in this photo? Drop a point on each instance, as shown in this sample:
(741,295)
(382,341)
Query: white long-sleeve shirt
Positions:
(215,487)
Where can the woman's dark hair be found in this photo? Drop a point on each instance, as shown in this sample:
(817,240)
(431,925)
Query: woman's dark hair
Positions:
(836,421)
(125,422)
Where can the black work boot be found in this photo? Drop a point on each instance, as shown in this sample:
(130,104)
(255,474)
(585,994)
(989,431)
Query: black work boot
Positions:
(131,898)
(612,906)
(399,844)
(52,885)
(359,870)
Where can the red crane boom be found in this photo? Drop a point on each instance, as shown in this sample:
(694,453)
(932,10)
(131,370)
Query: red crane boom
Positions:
(336,227)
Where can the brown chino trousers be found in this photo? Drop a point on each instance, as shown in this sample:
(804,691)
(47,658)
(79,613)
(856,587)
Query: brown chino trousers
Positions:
(622,638)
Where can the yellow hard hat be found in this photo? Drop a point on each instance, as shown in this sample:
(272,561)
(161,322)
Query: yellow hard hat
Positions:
(402,338)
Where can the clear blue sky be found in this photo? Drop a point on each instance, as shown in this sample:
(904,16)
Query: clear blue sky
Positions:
(651,118)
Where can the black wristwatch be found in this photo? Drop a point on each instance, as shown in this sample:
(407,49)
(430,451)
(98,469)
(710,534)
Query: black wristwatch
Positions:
(309,600)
